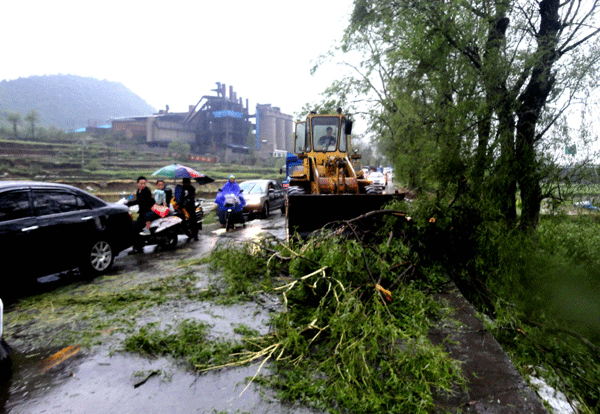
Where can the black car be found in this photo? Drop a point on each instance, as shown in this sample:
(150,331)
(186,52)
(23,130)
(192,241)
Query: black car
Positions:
(47,228)
(5,361)
(262,197)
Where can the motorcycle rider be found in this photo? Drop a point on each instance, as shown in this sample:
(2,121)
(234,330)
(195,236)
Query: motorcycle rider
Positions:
(230,187)
(145,201)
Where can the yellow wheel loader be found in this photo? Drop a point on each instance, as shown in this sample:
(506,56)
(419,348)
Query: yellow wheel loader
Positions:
(330,184)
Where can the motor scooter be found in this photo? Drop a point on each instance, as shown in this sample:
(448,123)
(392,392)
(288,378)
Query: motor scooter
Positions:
(163,231)
(230,209)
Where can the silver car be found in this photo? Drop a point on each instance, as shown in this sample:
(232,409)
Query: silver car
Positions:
(262,197)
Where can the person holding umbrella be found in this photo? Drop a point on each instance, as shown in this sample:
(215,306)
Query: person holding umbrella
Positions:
(186,195)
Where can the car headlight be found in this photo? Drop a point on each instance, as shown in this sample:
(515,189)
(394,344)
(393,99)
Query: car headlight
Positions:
(253,202)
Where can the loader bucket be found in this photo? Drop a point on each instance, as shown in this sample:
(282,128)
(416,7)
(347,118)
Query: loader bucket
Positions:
(307,213)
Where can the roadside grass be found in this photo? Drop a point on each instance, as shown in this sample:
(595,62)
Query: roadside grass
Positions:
(549,306)
(210,217)
(87,313)
(190,341)
(243,273)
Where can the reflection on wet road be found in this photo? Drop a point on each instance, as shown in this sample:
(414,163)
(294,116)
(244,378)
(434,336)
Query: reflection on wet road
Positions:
(103,379)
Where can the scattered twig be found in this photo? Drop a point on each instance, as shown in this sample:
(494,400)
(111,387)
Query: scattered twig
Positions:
(150,375)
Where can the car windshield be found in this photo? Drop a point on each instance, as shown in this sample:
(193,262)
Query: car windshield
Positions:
(253,187)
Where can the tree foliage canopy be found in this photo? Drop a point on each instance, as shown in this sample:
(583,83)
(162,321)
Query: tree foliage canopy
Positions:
(463,95)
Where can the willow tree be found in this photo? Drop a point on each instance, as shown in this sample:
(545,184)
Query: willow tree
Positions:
(14,118)
(463,93)
(32,117)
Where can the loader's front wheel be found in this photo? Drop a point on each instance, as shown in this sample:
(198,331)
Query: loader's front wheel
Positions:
(293,190)
(373,189)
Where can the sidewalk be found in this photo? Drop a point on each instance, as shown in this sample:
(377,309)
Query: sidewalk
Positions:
(494,384)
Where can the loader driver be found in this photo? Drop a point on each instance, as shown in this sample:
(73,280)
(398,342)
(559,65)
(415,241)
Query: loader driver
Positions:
(328,139)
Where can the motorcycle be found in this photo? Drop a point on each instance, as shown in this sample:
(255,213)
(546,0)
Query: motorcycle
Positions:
(164,231)
(230,209)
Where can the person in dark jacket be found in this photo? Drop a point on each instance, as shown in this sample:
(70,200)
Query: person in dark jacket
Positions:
(145,201)
(188,203)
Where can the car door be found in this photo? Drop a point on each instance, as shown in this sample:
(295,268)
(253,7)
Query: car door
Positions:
(18,233)
(66,223)
(276,195)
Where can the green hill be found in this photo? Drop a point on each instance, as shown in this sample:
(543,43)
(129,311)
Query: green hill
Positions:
(68,101)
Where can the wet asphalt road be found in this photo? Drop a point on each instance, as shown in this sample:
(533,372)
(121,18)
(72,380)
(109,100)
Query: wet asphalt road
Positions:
(102,379)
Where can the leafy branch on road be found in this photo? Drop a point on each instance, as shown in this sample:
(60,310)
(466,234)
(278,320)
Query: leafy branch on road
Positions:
(352,331)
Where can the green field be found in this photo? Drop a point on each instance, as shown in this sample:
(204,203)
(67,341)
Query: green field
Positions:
(109,169)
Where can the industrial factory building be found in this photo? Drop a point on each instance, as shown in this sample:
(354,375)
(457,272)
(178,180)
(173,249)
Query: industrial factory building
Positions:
(218,125)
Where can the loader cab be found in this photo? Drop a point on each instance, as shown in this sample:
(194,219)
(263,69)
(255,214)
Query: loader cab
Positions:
(323,134)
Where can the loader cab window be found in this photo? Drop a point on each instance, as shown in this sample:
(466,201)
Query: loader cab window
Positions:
(302,145)
(325,133)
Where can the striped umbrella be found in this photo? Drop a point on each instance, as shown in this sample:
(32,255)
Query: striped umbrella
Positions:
(182,171)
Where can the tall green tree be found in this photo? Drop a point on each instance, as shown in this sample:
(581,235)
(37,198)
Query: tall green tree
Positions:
(182,150)
(32,117)
(14,118)
(463,94)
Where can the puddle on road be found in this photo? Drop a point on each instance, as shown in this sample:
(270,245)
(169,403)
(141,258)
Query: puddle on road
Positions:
(106,384)
(102,380)
(222,319)
(273,226)
(32,378)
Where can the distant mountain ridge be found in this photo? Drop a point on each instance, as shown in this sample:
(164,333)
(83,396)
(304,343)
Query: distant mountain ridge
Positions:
(69,101)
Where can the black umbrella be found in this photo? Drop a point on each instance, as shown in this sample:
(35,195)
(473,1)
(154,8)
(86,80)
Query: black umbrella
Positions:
(204,179)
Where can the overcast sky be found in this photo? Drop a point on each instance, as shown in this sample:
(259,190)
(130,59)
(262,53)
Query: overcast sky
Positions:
(172,52)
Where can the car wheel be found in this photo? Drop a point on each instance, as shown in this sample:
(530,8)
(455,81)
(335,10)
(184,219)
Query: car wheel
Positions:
(98,258)
(283,207)
(265,211)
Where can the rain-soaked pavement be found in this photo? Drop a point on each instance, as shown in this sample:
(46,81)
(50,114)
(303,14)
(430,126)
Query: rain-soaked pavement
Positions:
(102,379)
